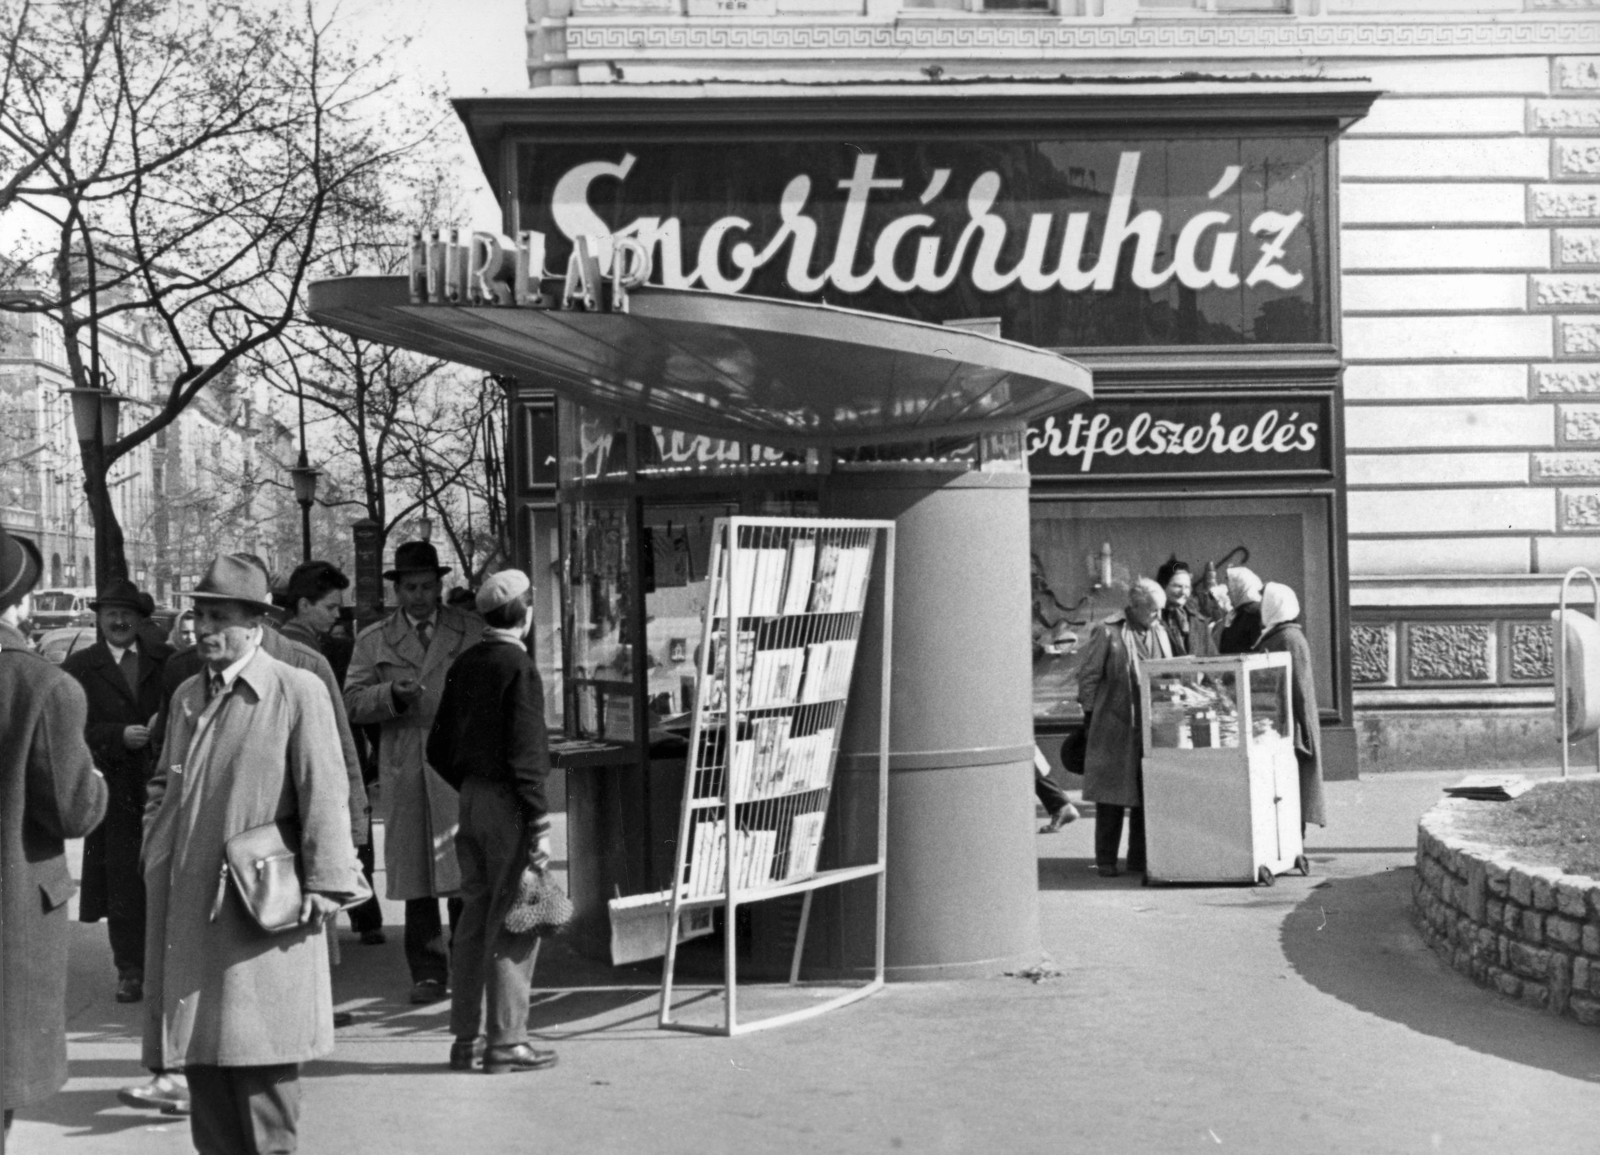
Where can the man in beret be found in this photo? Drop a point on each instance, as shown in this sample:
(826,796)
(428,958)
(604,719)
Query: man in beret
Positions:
(49,792)
(489,742)
(396,676)
(121,678)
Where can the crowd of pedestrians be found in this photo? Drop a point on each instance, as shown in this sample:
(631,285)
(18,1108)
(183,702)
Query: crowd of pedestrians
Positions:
(221,775)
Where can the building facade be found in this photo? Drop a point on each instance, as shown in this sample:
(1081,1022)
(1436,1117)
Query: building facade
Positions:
(1467,302)
(208,482)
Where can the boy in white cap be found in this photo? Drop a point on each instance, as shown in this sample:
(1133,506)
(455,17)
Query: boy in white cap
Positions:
(489,741)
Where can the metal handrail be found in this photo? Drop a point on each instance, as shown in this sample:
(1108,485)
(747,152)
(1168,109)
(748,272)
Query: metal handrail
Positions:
(1563,707)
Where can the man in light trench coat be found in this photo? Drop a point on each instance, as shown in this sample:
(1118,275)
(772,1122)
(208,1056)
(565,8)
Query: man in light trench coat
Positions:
(395,680)
(249,740)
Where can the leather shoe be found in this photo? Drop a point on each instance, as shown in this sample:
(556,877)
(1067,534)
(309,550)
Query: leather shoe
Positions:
(427,991)
(1108,870)
(343,1019)
(520,1057)
(465,1053)
(373,938)
(1068,813)
(130,989)
(160,1093)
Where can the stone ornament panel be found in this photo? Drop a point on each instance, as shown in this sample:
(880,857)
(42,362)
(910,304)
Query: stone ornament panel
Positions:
(1450,652)
(870,37)
(1532,652)
(1372,655)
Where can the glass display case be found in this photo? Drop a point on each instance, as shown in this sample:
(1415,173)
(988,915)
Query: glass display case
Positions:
(1221,783)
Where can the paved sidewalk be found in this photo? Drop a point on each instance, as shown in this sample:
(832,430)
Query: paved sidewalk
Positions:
(1305,1017)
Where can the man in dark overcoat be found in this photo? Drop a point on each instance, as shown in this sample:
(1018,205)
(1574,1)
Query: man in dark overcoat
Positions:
(121,678)
(49,792)
(1108,691)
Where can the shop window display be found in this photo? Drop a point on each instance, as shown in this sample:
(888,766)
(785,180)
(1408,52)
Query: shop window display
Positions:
(600,690)
(1087,553)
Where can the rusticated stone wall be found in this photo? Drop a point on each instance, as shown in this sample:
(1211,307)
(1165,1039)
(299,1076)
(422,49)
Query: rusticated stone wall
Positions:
(1532,933)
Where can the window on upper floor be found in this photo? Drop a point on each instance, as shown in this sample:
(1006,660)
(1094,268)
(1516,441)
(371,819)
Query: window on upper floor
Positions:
(1219,6)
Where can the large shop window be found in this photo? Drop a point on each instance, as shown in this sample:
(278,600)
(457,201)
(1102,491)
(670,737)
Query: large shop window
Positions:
(1087,552)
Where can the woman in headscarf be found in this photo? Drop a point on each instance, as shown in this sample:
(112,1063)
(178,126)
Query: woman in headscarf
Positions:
(1281,632)
(1243,630)
(182,635)
(1188,629)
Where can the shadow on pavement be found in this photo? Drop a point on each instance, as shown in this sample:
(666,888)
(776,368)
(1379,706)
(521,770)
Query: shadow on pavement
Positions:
(1353,938)
(82,1112)
(1079,874)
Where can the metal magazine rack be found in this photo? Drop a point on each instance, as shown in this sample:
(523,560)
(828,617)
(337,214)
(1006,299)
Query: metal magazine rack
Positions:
(783,620)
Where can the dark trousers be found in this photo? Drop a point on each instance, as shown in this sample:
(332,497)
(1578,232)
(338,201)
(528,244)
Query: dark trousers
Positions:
(490,965)
(1050,796)
(369,915)
(245,1110)
(127,943)
(1108,834)
(427,953)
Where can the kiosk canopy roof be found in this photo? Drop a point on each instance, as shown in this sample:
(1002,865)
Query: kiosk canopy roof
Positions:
(744,368)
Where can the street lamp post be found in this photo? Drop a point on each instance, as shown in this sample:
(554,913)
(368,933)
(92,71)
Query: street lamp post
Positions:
(305,475)
(95,412)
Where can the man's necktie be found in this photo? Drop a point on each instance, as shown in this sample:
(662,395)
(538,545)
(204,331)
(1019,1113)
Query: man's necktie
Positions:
(213,685)
(130,670)
(424,634)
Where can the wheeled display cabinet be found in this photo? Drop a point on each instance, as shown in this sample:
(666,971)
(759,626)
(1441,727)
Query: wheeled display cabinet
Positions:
(1221,784)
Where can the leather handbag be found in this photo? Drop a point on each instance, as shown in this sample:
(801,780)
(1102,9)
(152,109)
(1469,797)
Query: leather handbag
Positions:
(264,865)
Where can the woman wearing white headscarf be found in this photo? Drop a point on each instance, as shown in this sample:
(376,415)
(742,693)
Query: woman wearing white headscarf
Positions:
(1281,632)
(1243,630)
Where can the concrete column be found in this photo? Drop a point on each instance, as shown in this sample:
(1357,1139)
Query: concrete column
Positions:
(963,874)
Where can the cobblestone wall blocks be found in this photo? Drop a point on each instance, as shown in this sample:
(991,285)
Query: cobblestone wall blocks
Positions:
(1577,158)
(1580,974)
(1591,939)
(1504,949)
(1579,336)
(1496,875)
(1560,980)
(1507,983)
(1586,1011)
(1474,892)
(1513,921)
(1577,247)
(1494,912)
(1572,899)
(1532,928)
(1521,886)
(1563,931)
(1536,995)
(1529,961)
(1544,889)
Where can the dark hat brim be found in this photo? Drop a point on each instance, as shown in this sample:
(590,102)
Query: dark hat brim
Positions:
(264,607)
(127,603)
(396,574)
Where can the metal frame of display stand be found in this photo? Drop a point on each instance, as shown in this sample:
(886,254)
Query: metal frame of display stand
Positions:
(711,787)
(1563,705)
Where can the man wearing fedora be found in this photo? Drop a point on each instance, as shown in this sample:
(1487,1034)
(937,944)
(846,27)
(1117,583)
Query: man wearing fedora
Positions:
(250,741)
(396,677)
(49,792)
(121,678)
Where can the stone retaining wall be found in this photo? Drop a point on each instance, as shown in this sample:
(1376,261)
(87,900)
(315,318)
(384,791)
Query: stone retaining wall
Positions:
(1530,932)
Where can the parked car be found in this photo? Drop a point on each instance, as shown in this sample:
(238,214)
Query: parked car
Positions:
(55,645)
(59,608)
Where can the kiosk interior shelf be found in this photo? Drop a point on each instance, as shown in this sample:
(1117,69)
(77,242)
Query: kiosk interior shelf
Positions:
(1221,784)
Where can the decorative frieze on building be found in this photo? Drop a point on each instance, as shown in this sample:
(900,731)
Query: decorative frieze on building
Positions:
(1580,424)
(1564,202)
(1372,655)
(1566,466)
(1558,380)
(800,36)
(1577,247)
(1579,336)
(1531,652)
(1563,115)
(1578,73)
(1457,652)
(1580,509)
(1566,290)
(1577,158)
